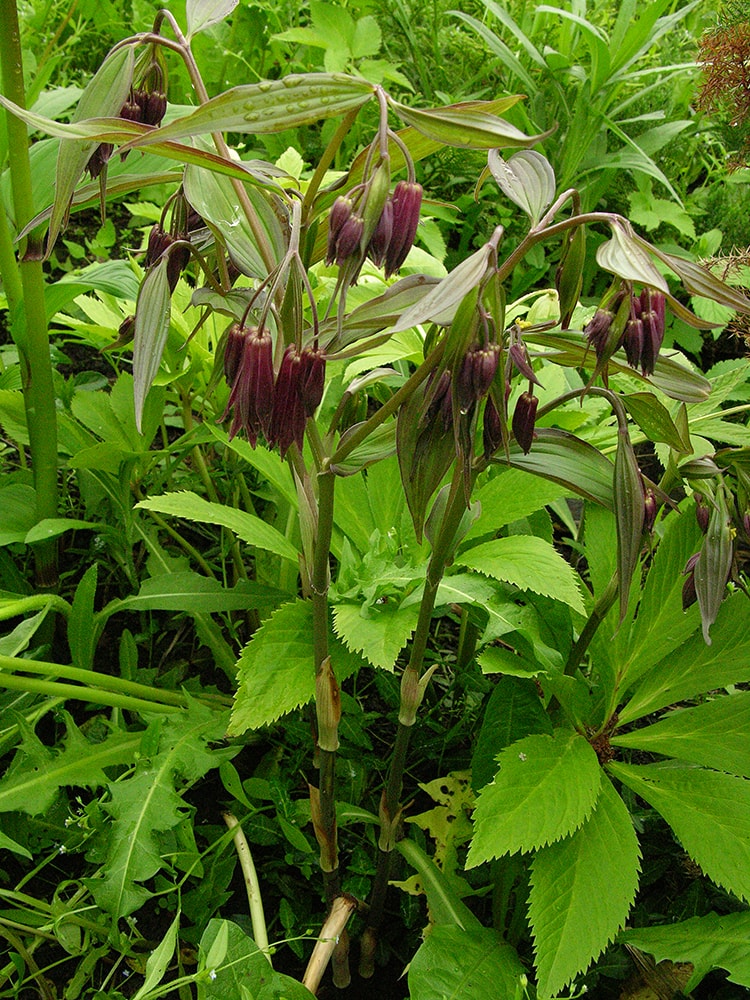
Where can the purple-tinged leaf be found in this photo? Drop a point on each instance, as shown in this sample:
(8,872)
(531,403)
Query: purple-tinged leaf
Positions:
(152,316)
(713,565)
(625,256)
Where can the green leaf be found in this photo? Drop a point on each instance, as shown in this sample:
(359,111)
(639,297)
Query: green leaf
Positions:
(276,673)
(708,811)
(248,527)
(709,942)
(268,106)
(513,712)
(268,463)
(201,14)
(152,320)
(527,178)
(501,616)
(442,300)
(53,527)
(695,667)
(19,512)
(37,773)
(582,889)
(8,844)
(545,788)
(81,632)
(655,421)
(624,255)
(453,964)
(511,496)
(446,908)
(159,959)
(378,631)
(529,563)
(185,590)
(465,127)
(714,564)
(715,734)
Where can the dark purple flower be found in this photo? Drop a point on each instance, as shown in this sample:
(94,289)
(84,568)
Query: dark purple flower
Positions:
(288,417)
(524,420)
(653,319)
(312,380)
(492,433)
(476,375)
(407,201)
(689,593)
(381,238)
(597,331)
(252,394)
(633,342)
(99,159)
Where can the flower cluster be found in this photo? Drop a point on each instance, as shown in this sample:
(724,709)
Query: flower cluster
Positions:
(642,334)
(276,407)
(145,106)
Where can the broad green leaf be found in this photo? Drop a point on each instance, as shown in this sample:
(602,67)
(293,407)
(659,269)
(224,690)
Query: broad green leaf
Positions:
(544,790)
(708,811)
(465,127)
(248,527)
(152,319)
(527,178)
(378,631)
(192,593)
(18,502)
(268,106)
(276,672)
(709,942)
(446,908)
(582,888)
(453,964)
(37,773)
(501,616)
(53,527)
(529,563)
(694,667)
(201,14)
(379,313)
(715,734)
(378,445)
(268,463)
(655,421)
(442,300)
(513,495)
(567,460)
(624,256)
(513,711)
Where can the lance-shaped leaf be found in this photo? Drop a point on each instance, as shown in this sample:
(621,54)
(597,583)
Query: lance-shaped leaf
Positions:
(466,128)
(629,514)
(625,256)
(714,564)
(379,313)
(527,178)
(201,14)
(440,303)
(152,317)
(655,421)
(268,106)
(104,95)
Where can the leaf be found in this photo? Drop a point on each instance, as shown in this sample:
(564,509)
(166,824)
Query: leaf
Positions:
(715,734)
(379,631)
(565,459)
(714,564)
(201,14)
(152,320)
(441,301)
(185,590)
(545,788)
(53,527)
(81,632)
(501,616)
(655,421)
(529,563)
(446,908)
(694,667)
(37,773)
(147,804)
(275,670)
(453,964)
(624,255)
(708,811)
(268,106)
(709,942)
(513,712)
(511,496)
(19,512)
(527,178)
(582,889)
(159,959)
(465,128)
(248,527)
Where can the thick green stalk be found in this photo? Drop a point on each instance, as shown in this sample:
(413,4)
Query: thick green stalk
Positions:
(38,388)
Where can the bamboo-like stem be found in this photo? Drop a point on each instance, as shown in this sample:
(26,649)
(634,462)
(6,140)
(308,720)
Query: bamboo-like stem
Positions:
(252,885)
(75,691)
(328,939)
(411,695)
(38,388)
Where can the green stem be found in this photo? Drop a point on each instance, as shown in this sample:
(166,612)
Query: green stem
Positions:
(327,159)
(74,691)
(252,885)
(38,387)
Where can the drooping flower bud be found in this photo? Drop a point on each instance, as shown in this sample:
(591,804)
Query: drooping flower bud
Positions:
(288,417)
(234,347)
(99,159)
(252,394)
(476,375)
(341,211)
(650,509)
(520,358)
(524,419)
(702,512)
(312,379)
(438,402)
(160,242)
(492,432)
(381,238)
(653,319)
(689,593)
(407,201)
(597,331)
(155,107)
(131,111)
(633,342)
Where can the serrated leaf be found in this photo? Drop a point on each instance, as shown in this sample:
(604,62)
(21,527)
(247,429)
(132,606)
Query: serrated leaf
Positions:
(513,495)
(529,563)
(378,631)
(694,667)
(275,670)
(527,178)
(465,127)
(248,527)
(268,106)
(454,964)
(502,616)
(37,773)
(709,942)
(201,14)
(715,734)
(581,891)
(544,790)
(708,811)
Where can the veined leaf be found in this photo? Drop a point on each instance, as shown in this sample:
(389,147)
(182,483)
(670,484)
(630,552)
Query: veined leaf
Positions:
(708,811)
(715,734)
(441,301)
(624,255)
(527,178)
(195,594)
(710,942)
(201,14)
(378,632)
(655,421)
(544,790)
(152,320)
(248,527)
(465,965)
(466,128)
(511,496)
(276,672)
(446,908)
(695,667)
(529,563)
(582,888)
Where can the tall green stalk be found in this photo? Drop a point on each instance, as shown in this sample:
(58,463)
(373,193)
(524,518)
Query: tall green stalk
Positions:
(29,318)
